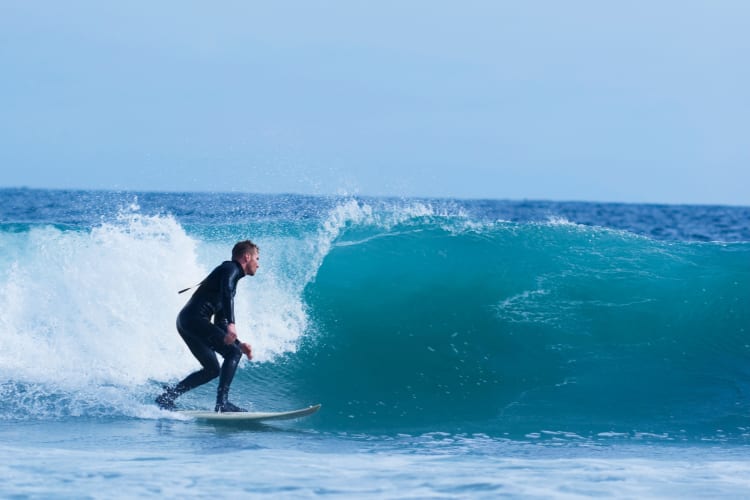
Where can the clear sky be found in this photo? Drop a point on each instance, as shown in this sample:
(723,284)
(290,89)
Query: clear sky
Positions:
(639,101)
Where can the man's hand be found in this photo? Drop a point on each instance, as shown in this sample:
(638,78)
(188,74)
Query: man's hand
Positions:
(247,350)
(231,335)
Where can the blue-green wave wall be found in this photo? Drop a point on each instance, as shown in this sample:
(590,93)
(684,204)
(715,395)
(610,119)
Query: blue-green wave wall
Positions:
(527,326)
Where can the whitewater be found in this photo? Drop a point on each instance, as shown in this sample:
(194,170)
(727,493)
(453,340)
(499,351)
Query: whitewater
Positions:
(460,348)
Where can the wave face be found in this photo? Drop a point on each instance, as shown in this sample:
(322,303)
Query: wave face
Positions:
(398,316)
(521,326)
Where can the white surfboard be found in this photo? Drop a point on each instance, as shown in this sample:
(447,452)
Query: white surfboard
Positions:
(249,416)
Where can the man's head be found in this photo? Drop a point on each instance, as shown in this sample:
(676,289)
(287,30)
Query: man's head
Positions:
(247,254)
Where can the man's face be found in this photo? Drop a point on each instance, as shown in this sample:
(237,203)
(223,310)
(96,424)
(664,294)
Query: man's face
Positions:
(251,262)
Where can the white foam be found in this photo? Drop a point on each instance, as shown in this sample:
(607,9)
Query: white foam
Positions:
(97,308)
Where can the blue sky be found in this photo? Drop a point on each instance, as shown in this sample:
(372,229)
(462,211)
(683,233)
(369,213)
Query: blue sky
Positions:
(637,101)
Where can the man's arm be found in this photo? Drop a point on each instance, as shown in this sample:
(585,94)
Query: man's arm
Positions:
(227,282)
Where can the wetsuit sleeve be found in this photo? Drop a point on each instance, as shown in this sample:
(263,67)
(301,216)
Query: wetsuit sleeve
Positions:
(227,286)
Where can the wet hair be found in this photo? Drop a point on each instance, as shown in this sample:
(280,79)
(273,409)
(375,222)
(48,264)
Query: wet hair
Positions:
(243,247)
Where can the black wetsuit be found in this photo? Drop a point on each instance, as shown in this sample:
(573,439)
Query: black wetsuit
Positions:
(213,298)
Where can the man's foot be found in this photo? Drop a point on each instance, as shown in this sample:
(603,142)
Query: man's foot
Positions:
(227,407)
(166,400)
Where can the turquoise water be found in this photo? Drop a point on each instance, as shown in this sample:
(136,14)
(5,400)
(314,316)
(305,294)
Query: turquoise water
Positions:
(459,348)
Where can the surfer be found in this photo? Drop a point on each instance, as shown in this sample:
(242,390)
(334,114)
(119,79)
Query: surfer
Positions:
(214,297)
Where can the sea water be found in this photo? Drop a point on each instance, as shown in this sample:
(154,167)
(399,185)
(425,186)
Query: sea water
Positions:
(460,349)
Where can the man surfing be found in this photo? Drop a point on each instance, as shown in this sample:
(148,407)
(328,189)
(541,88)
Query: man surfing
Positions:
(214,298)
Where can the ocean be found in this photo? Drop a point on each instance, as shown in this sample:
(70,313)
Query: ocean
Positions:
(460,348)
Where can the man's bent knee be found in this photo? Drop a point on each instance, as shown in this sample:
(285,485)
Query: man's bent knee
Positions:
(212,371)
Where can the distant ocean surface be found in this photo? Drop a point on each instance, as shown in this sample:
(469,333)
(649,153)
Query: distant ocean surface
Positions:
(460,349)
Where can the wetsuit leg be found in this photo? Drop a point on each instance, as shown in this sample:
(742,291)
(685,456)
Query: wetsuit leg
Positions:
(232,356)
(202,350)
